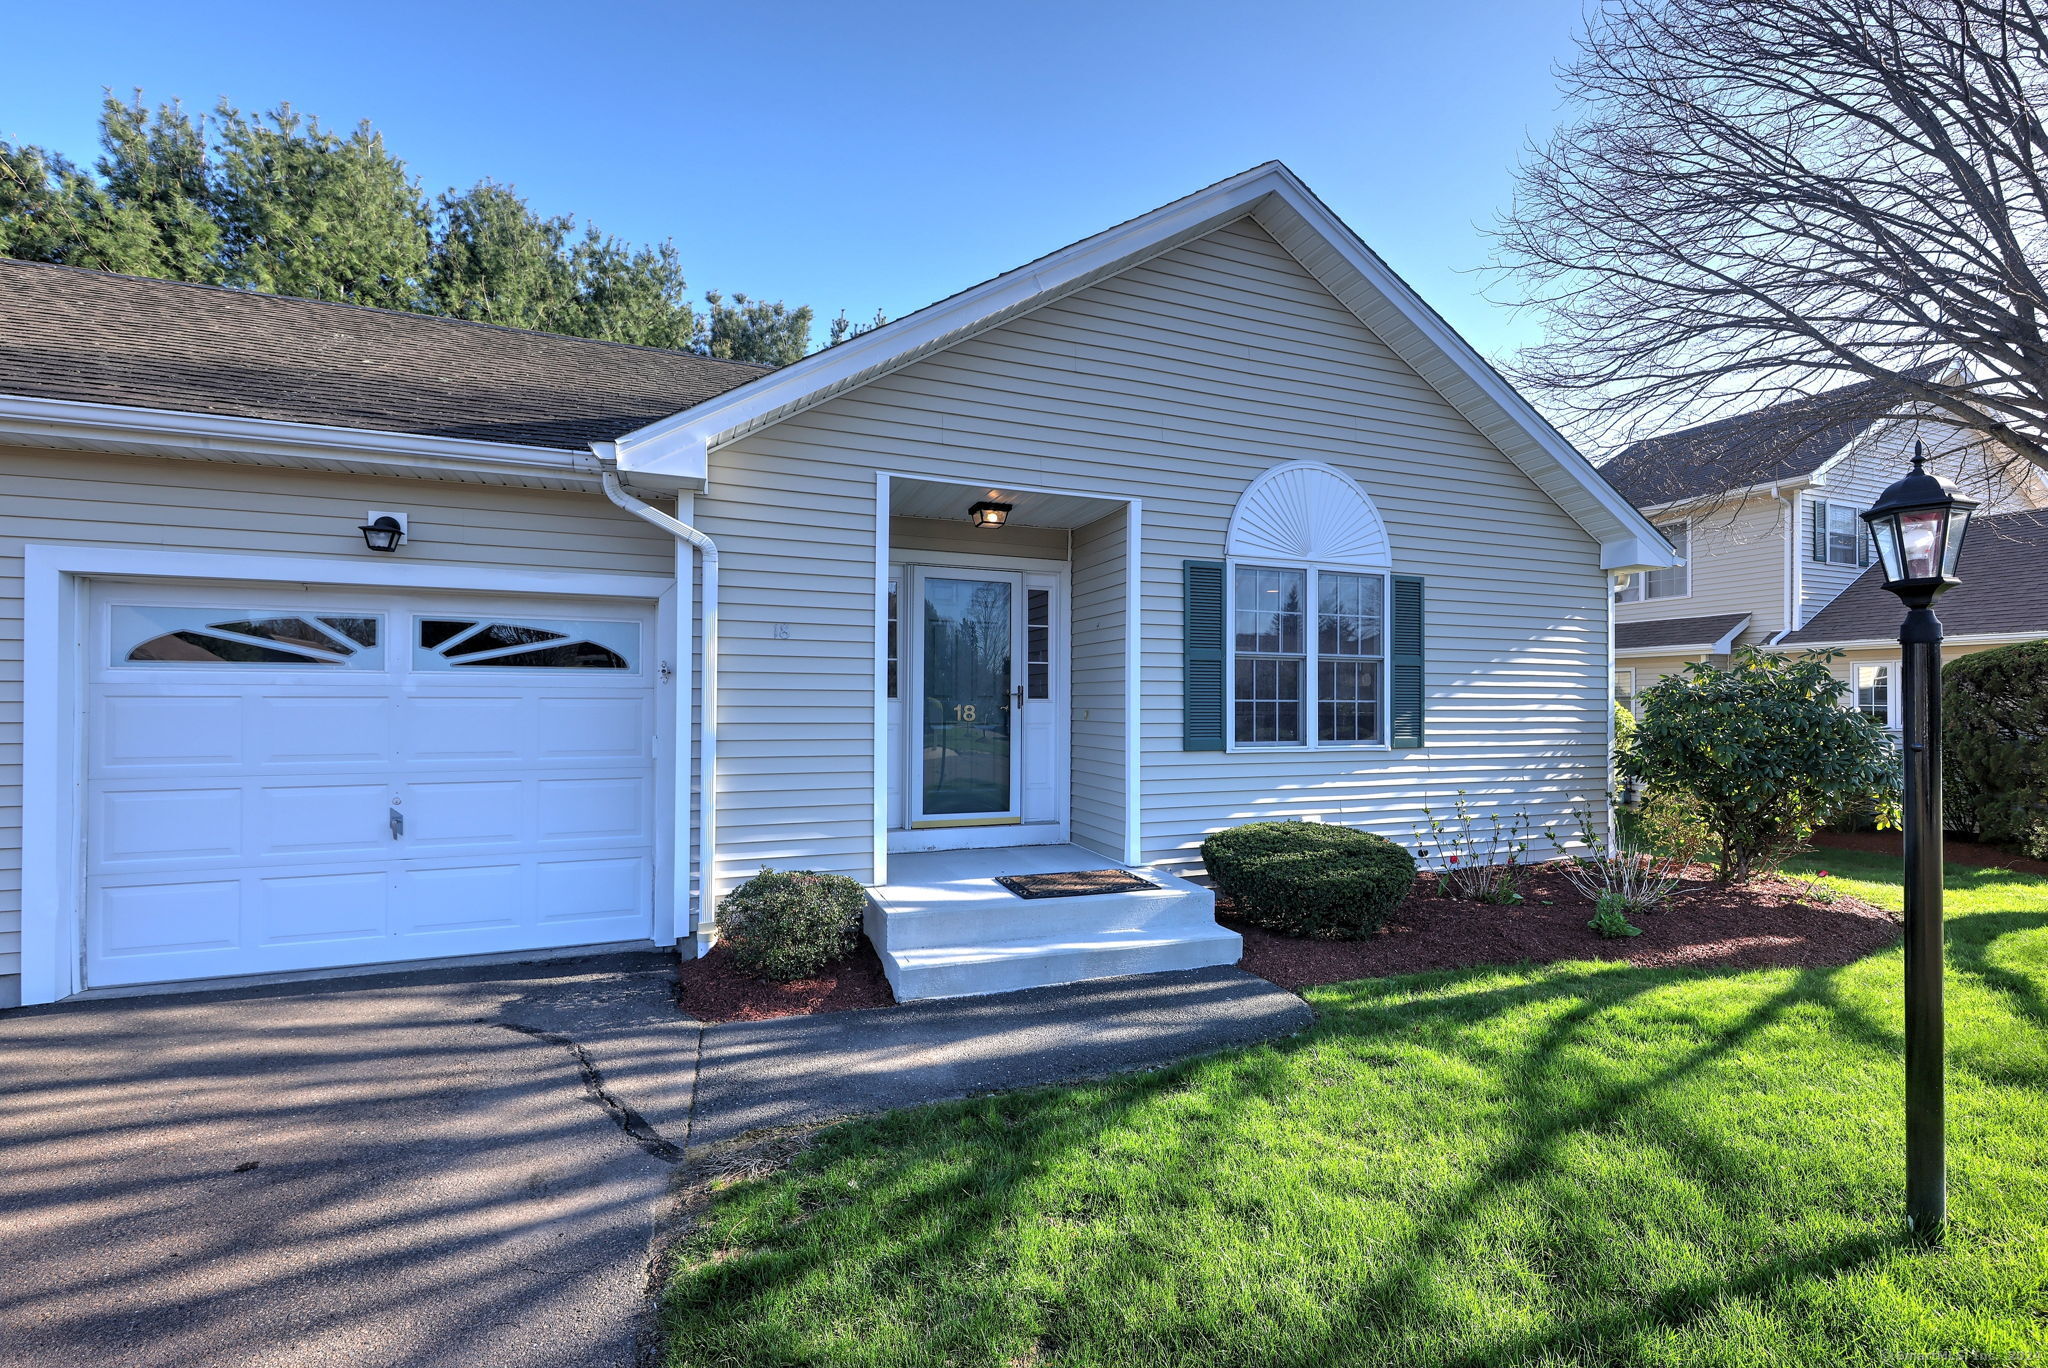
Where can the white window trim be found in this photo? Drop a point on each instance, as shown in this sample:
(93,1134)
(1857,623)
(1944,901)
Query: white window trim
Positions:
(56,580)
(1825,509)
(1891,692)
(1311,677)
(1633,592)
(1630,671)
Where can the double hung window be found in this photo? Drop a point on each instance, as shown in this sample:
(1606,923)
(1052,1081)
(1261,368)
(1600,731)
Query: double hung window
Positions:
(1839,535)
(1308,656)
(1674,582)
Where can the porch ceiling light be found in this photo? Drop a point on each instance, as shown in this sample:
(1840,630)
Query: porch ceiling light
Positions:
(383,533)
(989,514)
(1918,526)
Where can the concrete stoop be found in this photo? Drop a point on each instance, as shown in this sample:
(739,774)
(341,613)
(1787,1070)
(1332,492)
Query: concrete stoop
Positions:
(944,927)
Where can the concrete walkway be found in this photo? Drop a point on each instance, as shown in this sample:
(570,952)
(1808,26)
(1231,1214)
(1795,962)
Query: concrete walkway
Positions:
(458,1167)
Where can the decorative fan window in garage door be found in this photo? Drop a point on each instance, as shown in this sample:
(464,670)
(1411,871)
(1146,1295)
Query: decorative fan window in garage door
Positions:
(215,637)
(454,643)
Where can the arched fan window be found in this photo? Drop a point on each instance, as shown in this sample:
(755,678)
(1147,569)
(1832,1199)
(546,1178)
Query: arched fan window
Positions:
(1307,611)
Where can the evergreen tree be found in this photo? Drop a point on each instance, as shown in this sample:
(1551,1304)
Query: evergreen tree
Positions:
(153,211)
(842,327)
(756,330)
(307,212)
(627,294)
(40,208)
(496,261)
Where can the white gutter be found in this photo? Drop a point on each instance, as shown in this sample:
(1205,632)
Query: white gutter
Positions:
(707,724)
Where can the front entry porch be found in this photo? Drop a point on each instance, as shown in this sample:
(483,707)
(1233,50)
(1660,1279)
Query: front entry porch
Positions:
(944,927)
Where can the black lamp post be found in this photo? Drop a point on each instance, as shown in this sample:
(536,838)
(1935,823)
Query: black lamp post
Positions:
(1918,526)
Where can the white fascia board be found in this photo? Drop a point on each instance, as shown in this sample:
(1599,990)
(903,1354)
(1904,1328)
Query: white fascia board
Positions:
(679,446)
(1891,643)
(1728,638)
(41,422)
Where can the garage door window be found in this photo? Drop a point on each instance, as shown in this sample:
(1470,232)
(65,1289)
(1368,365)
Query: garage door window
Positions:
(446,643)
(217,638)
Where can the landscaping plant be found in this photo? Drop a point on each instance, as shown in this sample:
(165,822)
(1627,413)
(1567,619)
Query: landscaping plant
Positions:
(1765,751)
(789,924)
(1310,878)
(1610,918)
(1638,876)
(1994,734)
(1479,854)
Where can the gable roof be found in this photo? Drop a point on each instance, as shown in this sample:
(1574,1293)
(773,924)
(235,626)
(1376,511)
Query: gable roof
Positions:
(1715,633)
(88,336)
(677,448)
(1786,441)
(2004,590)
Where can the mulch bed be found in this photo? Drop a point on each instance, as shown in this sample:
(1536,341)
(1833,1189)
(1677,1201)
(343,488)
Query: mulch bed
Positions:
(1772,923)
(710,988)
(1955,852)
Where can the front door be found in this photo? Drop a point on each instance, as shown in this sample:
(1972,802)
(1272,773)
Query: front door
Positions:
(965,755)
(978,717)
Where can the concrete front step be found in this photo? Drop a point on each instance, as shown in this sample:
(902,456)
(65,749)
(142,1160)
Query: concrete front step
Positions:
(944,928)
(967,970)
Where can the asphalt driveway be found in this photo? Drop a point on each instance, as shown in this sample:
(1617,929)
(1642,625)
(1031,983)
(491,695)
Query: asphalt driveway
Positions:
(466,1167)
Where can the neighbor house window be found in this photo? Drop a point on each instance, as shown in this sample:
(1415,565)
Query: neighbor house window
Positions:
(1309,656)
(1874,692)
(1675,582)
(1839,535)
(1625,689)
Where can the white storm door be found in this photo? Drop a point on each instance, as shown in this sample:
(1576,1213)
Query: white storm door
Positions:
(965,631)
(282,778)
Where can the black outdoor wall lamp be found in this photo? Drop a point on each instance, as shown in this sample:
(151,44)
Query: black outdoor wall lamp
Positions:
(988,514)
(1918,525)
(383,531)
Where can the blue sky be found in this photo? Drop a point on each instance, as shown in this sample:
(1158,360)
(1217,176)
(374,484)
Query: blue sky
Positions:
(864,155)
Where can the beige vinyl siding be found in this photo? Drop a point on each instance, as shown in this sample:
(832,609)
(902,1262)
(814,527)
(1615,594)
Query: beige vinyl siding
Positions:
(1098,686)
(1737,560)
(911,535)
(86,499)
(1175,383)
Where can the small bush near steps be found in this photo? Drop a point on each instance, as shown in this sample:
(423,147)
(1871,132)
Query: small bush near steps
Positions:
(1310,879)
(789,924)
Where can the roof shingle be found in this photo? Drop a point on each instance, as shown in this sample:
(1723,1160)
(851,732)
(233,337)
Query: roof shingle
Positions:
(83,335)
(2004,590)
(1677,634)
(1781,442)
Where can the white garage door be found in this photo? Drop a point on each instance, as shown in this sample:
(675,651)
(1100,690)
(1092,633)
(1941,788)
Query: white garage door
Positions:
(285,778)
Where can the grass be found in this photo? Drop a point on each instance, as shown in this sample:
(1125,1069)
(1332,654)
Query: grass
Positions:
(1572,1164)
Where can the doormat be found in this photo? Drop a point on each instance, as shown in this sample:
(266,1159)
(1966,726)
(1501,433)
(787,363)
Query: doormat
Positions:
(1074,885)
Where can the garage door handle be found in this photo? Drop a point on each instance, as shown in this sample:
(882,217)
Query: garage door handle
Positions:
(397,824)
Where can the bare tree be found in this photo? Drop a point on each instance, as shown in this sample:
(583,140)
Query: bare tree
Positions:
(1754,200)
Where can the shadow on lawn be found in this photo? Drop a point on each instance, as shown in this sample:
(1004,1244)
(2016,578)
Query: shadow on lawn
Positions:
(932,1210)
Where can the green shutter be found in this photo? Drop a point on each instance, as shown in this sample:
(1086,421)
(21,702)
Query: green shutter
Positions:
(1820,531)
(1202,720)
(1406,639)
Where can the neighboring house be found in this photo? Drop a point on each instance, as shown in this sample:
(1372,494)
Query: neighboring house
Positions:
(1274,543)
(2003,598)
(1766,507)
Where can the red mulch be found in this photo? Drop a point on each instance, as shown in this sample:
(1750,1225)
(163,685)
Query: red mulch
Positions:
(1955,852)
(711,988)
(1769,924)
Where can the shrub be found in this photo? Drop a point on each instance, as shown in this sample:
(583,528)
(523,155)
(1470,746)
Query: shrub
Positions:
(1636,877)
(1308,879)
(1611,918)
(1994,734)
(1624,730)
(1478,864)
(789,924)
(1765,751)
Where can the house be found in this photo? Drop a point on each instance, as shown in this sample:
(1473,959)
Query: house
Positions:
(1766,507)
(2003,599)
(350,638)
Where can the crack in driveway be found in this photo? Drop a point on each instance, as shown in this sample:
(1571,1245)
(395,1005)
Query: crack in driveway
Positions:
(622,1113)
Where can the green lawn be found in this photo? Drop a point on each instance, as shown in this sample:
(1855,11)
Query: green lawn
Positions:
(1575,1164)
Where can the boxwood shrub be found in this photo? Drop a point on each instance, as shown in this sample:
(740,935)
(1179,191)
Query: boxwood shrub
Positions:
(1994,732)
(1308,878)
(789,924)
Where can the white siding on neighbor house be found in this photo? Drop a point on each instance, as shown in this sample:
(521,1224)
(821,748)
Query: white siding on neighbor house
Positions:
(1175,382)
(1097,687)
(86,499)
(1737,562)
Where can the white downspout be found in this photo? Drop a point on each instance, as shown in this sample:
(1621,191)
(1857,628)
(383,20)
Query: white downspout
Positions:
(707,724)
(1793,532)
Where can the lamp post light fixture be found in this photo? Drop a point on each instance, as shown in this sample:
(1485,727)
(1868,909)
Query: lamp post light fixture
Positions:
(1918,526)
(989,514)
